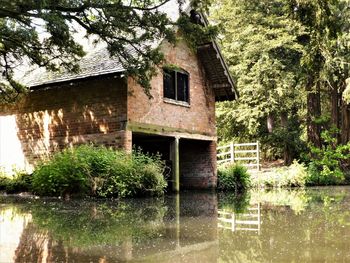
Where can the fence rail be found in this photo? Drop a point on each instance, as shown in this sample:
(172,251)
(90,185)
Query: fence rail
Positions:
(234,152)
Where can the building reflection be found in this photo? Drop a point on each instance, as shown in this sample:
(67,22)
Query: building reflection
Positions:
(283,227)
(12,226)
(178,227)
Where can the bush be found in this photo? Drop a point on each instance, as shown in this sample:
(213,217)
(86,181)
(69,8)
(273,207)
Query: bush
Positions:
(21,182)
(18,182)
(4,182)
(294,175)
(326,164)
(233,177)
(137,175)
(99,171)
(324,176)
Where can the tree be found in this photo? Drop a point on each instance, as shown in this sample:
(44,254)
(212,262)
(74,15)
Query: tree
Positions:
(41,32)
(261,45)
(291,61)
(325,62)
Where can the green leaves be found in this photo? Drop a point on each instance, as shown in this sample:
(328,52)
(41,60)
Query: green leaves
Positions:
(196,34)
(234,177)
(326,165)
(260,41)
(346,93)
(98,171)
(43,33)
(283,54)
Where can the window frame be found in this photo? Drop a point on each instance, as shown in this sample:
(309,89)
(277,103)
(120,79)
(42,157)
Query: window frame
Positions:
(176,100)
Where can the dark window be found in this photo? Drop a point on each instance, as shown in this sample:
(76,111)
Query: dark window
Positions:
(169,84)
(176,85)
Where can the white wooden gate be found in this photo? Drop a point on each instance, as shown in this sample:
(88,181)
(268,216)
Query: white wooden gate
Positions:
(246,153)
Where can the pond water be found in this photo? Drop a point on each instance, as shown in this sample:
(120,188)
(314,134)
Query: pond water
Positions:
(310,225)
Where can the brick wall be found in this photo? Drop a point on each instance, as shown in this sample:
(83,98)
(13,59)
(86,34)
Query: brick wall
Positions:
(198,117)
(197,158)
(48,120)
(197,164)
(97,110)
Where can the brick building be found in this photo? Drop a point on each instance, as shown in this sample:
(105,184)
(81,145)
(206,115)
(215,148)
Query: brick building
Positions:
(103,106)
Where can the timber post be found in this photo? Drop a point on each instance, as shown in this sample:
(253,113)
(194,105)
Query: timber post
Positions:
(232,152)
(176,164)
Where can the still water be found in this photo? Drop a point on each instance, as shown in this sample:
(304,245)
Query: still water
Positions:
(310,225)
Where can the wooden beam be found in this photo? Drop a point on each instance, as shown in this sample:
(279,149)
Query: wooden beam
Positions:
(168,131)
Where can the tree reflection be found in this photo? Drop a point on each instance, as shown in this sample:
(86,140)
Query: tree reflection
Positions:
(107,231)
(297,226)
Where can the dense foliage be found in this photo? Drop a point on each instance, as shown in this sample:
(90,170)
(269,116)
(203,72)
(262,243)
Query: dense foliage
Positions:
(290,59)
(260,43)
(233,177)
(99,171)
(329,162)
(19,181)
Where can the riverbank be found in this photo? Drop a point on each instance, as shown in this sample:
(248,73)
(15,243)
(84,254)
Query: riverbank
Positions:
(295,175)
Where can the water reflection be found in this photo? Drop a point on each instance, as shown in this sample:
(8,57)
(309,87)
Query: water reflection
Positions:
(12,224)
(296,226)
(278,226)
(144,230)
(248,221)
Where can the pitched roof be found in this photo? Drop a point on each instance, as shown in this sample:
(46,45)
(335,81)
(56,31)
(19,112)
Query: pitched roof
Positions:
(98,62)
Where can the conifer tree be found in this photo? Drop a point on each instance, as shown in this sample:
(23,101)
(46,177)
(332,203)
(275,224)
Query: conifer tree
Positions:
(291,59)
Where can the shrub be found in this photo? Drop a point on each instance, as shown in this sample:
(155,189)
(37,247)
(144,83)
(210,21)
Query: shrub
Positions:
(67,172)
(99,171)
(324,176)
(137,175)
(326,164)
(19,181)
(4,182)
(294,175)
(233,177)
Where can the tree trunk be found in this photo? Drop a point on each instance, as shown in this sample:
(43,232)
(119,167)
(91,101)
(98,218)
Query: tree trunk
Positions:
(335,111)
(288,155)
(284,120)
(345,123)
(287,151)
(270,122)
(314,112)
